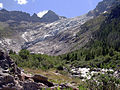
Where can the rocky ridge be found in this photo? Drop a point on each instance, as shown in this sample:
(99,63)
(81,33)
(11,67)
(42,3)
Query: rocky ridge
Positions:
(19,16)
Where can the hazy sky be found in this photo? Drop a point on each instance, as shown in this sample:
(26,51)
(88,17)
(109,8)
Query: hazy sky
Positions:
(68,8)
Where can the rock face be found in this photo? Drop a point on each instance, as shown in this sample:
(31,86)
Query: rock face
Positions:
(12,77)
(103,7)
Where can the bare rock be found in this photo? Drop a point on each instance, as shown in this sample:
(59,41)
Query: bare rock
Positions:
(39,78)
(42,79)
(31,86)
(65,86)
(9,88)
(6,79)
(24,76)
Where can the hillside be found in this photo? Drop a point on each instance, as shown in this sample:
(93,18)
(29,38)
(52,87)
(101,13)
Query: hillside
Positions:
(50,38)
(103,49)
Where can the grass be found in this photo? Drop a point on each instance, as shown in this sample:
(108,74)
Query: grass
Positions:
(56,77)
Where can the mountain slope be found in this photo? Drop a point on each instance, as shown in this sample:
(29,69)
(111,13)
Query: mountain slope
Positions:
(52,38)
(103,50)
(58,37)
(110,29)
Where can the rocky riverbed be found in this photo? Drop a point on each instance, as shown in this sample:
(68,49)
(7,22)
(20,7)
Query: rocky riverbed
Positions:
(87,73)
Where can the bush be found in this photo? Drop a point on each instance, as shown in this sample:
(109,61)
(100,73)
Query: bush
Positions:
(60,67)
(24,54)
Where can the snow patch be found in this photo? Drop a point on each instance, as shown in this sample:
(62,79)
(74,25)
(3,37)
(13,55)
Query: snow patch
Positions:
(24,36)
(105,12)
(47,35)
(0,41)
(41,14)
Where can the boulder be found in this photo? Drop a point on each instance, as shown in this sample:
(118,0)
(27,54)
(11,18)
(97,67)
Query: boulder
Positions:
(39,78)
(23,76)
(6,79)
(31,86)
(65,86)
(2,55)
(42,79)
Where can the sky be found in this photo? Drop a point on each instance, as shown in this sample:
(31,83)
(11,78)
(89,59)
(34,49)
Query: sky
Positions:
(67,8)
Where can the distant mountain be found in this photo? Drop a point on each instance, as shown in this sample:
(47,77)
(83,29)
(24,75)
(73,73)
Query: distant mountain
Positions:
(14,15)
(19,16)
(49,16)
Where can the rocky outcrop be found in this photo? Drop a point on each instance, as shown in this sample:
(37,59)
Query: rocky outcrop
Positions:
(13,78)
(44,80)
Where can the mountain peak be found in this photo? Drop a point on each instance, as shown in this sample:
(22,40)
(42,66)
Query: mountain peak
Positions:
(48,16)
(103,6)
(35,18)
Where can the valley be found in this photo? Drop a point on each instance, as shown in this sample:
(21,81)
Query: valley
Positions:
(47,51)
